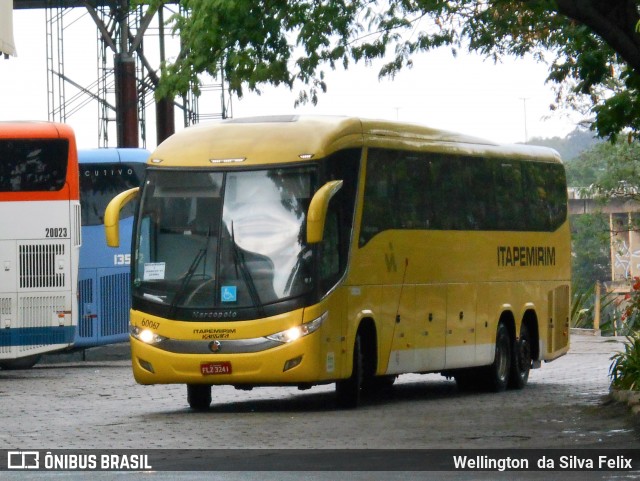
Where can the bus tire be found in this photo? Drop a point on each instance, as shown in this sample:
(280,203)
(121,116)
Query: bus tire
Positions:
(21,363)
(199,396)
(349,391)
(496,375)
(521,360)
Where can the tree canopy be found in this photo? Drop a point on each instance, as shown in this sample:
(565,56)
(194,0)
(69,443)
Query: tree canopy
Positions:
(607,170)
(570,146)
(592,47)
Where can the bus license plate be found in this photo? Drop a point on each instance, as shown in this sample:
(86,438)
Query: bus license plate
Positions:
(210,368)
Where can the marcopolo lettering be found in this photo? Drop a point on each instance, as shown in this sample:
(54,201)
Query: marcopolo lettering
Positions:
(526,256)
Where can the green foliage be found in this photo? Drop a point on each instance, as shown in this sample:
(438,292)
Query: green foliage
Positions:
(591,250)
(631,316)
(608,169)
(591,46)
(256,42)
(625,368)
(580,306)
(583,310)
(569,147)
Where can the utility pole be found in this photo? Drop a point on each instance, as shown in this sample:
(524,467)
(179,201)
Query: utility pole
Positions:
(524,105)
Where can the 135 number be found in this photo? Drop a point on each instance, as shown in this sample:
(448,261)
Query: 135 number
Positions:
(122,259)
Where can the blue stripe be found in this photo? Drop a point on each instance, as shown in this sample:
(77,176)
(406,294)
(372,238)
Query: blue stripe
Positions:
(34,336)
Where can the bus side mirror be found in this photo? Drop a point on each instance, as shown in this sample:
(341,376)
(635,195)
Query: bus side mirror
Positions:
(112,215)
(317,213)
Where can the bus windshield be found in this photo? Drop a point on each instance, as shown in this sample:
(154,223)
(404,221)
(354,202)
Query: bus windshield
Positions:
(100,182)
(212,240)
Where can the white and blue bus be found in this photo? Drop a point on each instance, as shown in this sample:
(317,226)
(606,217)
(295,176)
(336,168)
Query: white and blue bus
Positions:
(39,240)
(103,288)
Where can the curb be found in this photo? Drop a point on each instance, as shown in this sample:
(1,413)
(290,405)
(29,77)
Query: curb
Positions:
(111,352)
(630,398)
(585,332)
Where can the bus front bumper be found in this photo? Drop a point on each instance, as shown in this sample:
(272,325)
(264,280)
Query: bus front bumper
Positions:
(296,362)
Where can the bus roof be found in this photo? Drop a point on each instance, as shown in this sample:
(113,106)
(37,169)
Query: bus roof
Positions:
(112,155)
(34,129)
(292,138)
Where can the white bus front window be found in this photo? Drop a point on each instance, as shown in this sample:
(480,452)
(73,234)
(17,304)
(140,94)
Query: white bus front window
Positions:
(266,210)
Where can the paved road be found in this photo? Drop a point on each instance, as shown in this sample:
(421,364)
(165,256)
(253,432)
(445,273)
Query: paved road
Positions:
(96,404)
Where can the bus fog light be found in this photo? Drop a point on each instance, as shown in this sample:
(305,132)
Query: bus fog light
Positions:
(146,365)
(291,363)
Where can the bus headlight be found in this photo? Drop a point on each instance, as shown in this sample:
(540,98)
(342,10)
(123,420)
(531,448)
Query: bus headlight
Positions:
(146,335)
(297,332)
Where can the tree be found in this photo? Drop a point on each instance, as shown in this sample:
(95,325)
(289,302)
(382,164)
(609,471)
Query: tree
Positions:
(568,147)
(608,170)
(592,46)
(591,244)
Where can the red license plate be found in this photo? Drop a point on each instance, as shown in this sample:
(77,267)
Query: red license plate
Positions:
(210,368)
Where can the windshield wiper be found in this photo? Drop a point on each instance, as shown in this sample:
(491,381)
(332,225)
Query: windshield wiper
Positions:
(240,261)
(180,293)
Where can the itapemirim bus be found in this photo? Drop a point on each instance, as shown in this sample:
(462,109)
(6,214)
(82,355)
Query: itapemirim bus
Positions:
(309,250)
(39,240)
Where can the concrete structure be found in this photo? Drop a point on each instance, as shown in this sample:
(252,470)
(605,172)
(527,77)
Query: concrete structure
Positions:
(625,237)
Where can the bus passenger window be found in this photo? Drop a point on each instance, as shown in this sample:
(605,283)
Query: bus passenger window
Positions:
(509,196)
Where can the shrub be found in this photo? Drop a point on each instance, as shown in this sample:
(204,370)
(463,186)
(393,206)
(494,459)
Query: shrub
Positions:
(583,310)
(625,369)
(631,315)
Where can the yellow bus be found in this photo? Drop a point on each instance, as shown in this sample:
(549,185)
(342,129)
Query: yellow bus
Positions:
(301,251)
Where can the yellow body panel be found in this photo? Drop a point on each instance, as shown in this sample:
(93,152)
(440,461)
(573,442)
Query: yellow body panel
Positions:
(435,297)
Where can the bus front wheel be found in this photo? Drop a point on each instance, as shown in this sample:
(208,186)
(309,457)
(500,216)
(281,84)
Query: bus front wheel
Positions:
(349,391)
(199,396)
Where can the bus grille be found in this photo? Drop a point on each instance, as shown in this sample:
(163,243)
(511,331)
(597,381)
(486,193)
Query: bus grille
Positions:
(85,296)
(5,307)
(38,266)
(38,312)
(116,301)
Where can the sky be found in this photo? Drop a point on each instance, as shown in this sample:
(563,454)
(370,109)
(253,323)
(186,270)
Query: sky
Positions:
(506,102)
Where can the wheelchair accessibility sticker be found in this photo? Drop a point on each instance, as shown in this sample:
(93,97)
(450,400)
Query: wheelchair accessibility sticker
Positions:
(229,294)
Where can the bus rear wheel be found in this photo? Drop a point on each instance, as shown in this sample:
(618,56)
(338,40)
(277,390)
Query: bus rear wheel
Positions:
(496,375)
(521,360)
(349,391)
(199,396)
